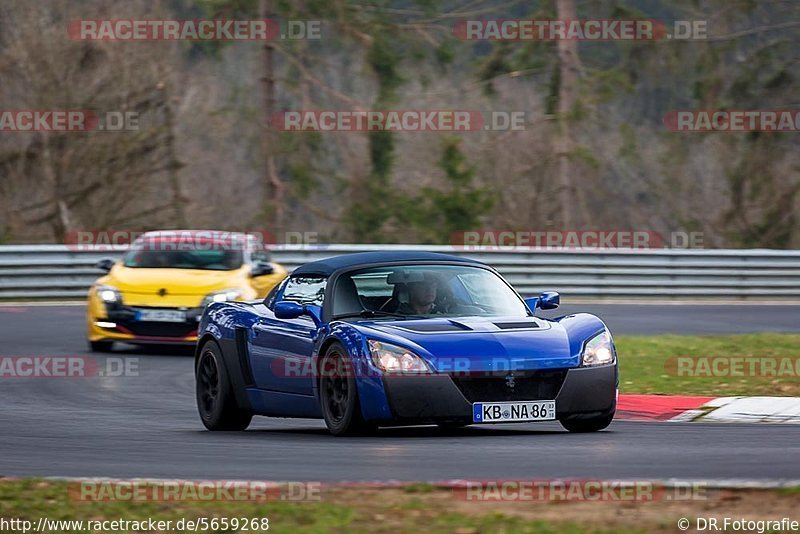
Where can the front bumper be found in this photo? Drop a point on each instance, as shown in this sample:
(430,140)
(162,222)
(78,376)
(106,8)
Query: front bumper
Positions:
(580,392)
(127,329)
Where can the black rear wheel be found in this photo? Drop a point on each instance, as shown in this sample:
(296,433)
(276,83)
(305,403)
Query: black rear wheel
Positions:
(338,396)
(216,402)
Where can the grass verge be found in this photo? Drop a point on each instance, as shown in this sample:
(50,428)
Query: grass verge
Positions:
(649,364)
(401,510)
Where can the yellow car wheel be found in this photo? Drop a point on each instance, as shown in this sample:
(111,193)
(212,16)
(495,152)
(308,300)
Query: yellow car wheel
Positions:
(101,346)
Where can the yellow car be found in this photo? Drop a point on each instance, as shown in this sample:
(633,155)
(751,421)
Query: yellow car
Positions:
(158,290)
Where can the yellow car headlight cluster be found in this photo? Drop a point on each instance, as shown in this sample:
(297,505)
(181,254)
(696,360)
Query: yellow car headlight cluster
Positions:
(108,294)
(226,295)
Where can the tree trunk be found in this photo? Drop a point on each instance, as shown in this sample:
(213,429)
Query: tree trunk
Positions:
(60,220)
(174,165)
(274,188)
(567,93)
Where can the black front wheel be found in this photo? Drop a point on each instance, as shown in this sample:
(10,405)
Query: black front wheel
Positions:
(592,424)
(215,399)
(452,425)
(101,346)
(338,396)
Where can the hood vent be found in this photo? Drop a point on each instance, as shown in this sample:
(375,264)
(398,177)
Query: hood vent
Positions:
(450,326)
(517,325)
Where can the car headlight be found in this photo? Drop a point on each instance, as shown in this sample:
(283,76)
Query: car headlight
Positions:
(392,358)
(108,294)
(599,350)
(226,295)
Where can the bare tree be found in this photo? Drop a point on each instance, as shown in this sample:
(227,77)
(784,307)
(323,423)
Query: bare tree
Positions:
(568,70)
(274,186)
(60,181)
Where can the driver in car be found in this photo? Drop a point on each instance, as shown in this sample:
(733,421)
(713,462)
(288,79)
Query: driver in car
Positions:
(421,299)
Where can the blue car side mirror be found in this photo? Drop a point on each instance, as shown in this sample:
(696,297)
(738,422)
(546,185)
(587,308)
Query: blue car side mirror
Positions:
(286,309)
(548,300)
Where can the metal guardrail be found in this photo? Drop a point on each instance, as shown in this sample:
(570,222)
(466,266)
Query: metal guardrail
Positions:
(57,272)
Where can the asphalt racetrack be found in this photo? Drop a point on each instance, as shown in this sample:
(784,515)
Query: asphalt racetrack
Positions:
(147,425)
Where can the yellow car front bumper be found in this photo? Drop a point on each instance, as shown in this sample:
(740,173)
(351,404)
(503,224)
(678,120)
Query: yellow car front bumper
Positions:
(117,323)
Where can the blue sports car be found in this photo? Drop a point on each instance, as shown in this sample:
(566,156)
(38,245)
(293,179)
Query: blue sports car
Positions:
(396,338)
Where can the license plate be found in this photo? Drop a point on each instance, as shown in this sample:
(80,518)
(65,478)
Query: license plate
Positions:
(508,412)
(163,316)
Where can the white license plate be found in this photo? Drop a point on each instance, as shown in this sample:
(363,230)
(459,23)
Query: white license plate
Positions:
(164,316)
(508,412)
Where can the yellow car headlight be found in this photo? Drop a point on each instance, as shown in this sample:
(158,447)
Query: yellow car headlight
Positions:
(108,294)
(226,295)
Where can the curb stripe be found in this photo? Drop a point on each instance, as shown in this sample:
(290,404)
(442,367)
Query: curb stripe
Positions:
(657,407)
(785,410)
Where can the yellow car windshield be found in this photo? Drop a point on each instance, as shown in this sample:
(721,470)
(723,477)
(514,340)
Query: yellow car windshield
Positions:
(213,260)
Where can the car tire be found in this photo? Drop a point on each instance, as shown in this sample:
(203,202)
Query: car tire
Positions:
(338,394)
(593,424)
(452,425)
(216,401)
(101,346)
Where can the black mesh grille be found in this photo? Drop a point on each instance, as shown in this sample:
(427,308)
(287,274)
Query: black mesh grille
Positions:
(498,387)
(158,329)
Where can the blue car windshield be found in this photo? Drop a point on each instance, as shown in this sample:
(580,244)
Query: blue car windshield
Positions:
(427,291)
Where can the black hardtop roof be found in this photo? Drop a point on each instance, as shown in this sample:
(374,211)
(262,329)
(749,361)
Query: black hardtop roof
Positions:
(329,266)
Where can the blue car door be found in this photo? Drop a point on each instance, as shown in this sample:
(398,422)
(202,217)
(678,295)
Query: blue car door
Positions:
(280,349)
